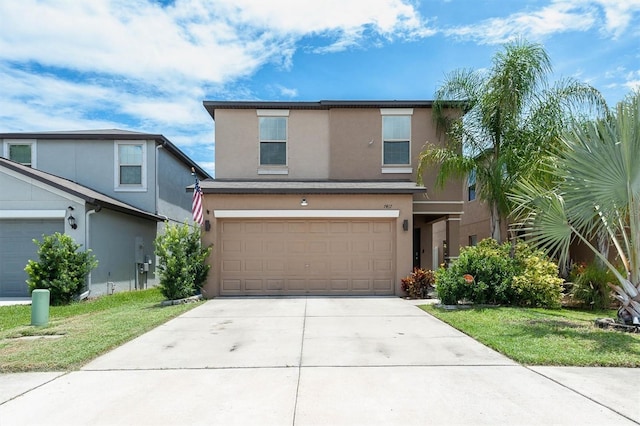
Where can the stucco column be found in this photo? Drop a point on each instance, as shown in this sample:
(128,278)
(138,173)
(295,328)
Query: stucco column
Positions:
(452,238)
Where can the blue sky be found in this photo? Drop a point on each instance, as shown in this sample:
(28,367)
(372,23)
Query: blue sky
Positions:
(145,65)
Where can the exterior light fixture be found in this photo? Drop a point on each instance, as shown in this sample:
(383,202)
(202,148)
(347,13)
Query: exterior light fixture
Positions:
(71,219)
(303,202)
(405,225)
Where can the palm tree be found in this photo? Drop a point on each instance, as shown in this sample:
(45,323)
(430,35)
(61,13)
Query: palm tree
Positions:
(511,116)
(596,191)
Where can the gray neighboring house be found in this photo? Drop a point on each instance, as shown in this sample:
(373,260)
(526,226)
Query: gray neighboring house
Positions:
(118,186)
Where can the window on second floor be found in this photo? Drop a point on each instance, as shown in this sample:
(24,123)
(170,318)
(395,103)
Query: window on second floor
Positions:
(20,151)
(396,140)
(471,186)
(396,134)
(130,166)
(273,141)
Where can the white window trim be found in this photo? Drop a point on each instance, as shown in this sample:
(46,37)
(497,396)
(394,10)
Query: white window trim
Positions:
(274,169)
(32,142)
(397,170)
(116,168)
(263,170)
(396,112)
(272,112)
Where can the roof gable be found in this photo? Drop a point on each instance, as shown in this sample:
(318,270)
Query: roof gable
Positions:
(77,190)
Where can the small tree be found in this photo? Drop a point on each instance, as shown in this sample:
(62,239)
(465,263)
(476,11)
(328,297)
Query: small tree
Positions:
(182,265)
(61,268)
(596,192)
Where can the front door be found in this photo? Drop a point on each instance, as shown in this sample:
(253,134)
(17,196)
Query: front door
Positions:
(416,248)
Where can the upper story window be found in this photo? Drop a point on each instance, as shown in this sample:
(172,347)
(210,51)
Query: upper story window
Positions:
(471,186)
(396,138)
(21,151)
(131,167)
(273,139)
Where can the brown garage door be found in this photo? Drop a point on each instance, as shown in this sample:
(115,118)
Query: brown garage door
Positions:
(306,256)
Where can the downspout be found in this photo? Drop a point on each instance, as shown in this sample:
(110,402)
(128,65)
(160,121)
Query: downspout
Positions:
(87,234)
(157,194)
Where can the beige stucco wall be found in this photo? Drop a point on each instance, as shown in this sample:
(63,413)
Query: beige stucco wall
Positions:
(402,203)
(237,145)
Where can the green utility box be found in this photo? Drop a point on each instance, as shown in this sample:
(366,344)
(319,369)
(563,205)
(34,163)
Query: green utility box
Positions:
(40,306)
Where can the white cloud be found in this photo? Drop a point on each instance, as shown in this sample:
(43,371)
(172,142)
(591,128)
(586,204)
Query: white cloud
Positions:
(610,17)
(68,65)
(618,15)
(200,40)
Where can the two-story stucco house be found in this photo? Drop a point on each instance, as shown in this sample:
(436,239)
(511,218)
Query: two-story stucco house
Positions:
(321,198)
(111,190)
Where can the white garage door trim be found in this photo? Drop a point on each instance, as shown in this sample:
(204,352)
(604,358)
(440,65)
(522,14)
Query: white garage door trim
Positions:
(257,214)
(32,214)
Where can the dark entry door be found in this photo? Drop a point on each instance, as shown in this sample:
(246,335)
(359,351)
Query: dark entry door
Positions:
(416,248)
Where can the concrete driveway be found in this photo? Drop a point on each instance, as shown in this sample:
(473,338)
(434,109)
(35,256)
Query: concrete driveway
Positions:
(314,361)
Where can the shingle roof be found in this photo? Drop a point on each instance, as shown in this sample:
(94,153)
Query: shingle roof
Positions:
(110,134)
(83,192)
(309,187)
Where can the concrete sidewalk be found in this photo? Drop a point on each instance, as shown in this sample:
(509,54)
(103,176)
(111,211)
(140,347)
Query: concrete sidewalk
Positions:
(315,361)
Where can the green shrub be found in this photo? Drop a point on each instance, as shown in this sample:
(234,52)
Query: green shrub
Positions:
(418,284)
(182,265)
(61,268)
(590,287)
(539,284)
(491,270)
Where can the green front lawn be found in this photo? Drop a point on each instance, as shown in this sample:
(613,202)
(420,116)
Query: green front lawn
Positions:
(88,329)
(546,336)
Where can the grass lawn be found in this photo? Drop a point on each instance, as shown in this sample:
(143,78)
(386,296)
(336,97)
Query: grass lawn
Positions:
(545,336)
(88,329)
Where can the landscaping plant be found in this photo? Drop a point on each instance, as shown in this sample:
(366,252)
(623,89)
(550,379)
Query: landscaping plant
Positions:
(418,284)
(61,268)
(488,273)
(594,191)
(511,113)
(182,264)
(591,287)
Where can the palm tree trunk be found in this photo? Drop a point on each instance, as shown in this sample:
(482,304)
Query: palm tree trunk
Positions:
(495,223)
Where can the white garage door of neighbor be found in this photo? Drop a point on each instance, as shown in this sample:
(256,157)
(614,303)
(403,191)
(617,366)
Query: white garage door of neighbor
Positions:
(17,247)
(307,256)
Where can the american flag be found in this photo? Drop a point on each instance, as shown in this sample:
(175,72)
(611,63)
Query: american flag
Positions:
(196,205)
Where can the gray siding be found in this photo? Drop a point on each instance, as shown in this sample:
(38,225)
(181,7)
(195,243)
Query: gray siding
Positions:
(92,163)
(174,176)
(114,239)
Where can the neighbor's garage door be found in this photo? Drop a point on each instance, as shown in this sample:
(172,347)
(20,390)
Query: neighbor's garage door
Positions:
(306,256)
(17,247)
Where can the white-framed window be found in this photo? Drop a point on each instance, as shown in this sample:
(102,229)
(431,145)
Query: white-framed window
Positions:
(273,129)
(130,166)
(21,151)
(471,186)
(396,136)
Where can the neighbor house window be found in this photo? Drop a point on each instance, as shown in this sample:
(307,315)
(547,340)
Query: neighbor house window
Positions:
(20,151)
(131,166)
(273,141)
(396,140)
(471,186)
